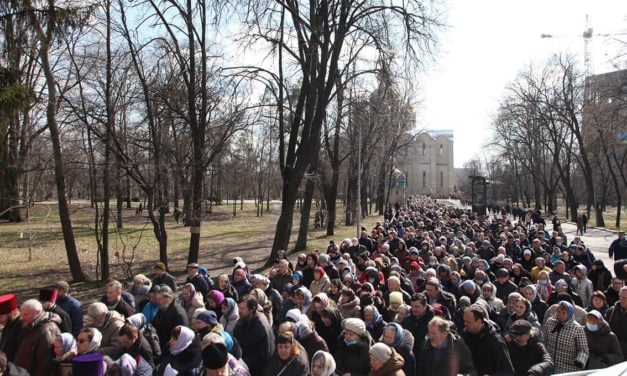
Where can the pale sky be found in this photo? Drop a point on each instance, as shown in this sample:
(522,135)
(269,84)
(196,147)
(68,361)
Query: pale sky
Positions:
(489,41)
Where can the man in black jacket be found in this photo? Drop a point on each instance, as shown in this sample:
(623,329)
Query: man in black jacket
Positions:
(486,344)
(417,321)
(254,334)
(529,356)
(162,277)
(169,316)
(48,298)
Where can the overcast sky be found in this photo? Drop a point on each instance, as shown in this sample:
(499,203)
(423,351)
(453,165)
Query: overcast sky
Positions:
(489,41)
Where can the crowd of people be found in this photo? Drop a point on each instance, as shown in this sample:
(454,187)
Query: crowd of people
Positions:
(432,290)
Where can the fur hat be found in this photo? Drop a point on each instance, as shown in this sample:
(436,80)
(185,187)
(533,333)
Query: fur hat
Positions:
(354,325)
(381,352)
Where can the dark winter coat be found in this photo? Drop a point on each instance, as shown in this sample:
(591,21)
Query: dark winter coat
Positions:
(73,308)
(489,350)
(406,350)
(34,351)
(616,317)
(604,346)
(418,326)
(168,319)
(166,279)
(601,278)
(294,366)
(187,363)
(110,344)
(453,359)
(200,284)
(313,343)
(9,338)
(503,290)
(354,358)
(531,358)
(66,321)
(256,339)
(13,370)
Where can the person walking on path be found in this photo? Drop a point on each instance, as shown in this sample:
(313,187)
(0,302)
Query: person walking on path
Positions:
(618,247)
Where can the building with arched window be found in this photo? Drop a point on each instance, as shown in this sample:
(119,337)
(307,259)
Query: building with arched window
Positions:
(427,164)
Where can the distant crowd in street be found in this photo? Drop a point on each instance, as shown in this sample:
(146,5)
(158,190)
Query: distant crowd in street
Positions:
(429,290)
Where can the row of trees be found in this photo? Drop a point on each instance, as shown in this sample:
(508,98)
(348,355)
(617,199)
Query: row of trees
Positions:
(152,99)
(560,134)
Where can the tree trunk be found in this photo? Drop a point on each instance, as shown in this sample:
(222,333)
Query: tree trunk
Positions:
(331,198)
(59,168)
(284,224)
(305,211)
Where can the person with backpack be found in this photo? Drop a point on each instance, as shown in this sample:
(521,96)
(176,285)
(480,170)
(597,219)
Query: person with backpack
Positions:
(133,339)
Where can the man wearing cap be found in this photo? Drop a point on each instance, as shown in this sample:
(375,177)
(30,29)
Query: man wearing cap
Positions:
(11,321)
(70,305)
(34,351)
(528,354)
(162,277)
(48,298)
(488,348)
(196,279)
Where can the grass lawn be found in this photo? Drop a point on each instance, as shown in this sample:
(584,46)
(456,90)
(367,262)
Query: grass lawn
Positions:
(33,252)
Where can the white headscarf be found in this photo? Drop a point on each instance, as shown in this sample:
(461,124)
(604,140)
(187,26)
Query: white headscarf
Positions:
(329,362)
(184,340)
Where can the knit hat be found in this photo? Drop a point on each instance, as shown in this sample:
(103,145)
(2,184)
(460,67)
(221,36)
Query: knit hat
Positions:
(468,286)
(414,265)
(208,317)
(354,325)
(215,356)
(561,283)
(8,304)
(396,297)
(298,276)
(381,352)
(48,295)
(464,301)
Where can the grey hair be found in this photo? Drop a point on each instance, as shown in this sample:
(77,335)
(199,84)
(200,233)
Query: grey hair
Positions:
(32,305)
(96,309)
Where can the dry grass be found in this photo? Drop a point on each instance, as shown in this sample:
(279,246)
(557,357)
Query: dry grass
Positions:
(222,238)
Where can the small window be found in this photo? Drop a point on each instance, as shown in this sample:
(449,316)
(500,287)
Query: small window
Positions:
(441,150)
(441,180)
(424,149)
(424,179)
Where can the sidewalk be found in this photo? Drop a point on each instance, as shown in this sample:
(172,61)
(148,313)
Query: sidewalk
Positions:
(598,239)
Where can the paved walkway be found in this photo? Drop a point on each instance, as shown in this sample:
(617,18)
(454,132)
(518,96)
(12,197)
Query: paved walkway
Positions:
(598,239)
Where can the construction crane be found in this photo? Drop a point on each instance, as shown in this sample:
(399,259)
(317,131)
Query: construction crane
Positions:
(587,35)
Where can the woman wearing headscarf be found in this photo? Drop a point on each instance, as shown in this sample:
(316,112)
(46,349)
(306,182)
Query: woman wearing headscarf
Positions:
(518,272)
(289,359)
(322,364)
(566,340)
(64,350)
(603,344)
(184,358)
(349,303)
(226,288)
(523,311)
(527,261)
(214,302)
(88,341)
(332,327)
(544,286)
(537,304)
(264,303)
(230,315)
(395,336)
(374,321)
(321,281)
(190,300)
(354,343)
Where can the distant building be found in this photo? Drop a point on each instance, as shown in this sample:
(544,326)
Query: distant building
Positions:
(426,164)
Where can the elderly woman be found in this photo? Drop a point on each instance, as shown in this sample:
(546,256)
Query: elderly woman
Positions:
(64,347)
(374,321)
(214,302)
(226,288)
(322,364)
(321,282)
(566,340)
(139,289)
(289,359)
(352,350)
(184,357)
(190,300)
(230,315)
(401,340)
(384,361)
(603,344)
(523,311)
(538,306)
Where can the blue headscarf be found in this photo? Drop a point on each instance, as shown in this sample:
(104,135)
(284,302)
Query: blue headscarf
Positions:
(569,309)
(398,330)
(376,317)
